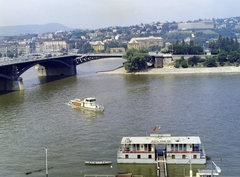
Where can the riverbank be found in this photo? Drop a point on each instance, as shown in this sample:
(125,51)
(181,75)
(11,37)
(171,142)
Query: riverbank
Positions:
(172,70)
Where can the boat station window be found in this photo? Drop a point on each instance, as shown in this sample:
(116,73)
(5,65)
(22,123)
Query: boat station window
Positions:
(145,147)
(127,149)
(149,147)
(180,147)
(196,147)
(176,147)
(139,156)
(194,156)
(149,156)
(173,156)
(126,156)
(134,147)
(184,147)
(183,156)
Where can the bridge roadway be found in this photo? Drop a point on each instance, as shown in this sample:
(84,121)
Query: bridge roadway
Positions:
(11,70)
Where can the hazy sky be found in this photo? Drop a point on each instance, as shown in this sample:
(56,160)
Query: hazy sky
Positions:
(95,14)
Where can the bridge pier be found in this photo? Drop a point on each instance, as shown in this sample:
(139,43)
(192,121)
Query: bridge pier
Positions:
(11,85)
(56,71)
(60,67)
(161,61)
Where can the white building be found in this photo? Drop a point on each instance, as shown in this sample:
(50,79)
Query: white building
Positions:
(198,25)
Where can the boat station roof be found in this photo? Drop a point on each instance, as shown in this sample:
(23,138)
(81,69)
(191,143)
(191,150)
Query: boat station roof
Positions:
(162,139)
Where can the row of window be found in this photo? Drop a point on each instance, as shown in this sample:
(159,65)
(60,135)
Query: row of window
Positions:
(150,156)
(138,147)
(138,156)
(184,156)
(183,147)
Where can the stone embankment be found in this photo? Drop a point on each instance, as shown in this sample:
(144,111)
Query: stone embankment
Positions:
(172,70)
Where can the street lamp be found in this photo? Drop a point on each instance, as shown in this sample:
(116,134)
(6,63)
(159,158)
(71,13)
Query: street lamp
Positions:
(217,168)
(46,163)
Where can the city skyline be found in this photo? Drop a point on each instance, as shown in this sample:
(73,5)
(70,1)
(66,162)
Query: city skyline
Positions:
(104,13)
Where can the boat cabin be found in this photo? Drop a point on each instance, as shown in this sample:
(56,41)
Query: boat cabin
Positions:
(90,100)
(87,103)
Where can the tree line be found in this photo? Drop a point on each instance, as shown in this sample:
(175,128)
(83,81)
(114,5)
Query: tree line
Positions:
(182,48)
(223,44)
(210,61)
(227,50)
(228,54)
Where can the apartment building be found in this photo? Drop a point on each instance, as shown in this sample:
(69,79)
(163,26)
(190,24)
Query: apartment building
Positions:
(17,49)
(51,46)
(97,45)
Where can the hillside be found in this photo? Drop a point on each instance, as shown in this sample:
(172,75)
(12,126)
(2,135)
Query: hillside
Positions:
(31,29)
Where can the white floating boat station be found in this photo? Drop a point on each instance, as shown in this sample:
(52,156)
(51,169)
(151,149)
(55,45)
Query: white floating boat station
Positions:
(161,149)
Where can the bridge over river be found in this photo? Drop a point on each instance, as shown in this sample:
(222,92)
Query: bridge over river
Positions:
(63,66)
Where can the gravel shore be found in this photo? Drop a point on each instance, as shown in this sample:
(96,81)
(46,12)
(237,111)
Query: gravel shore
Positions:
(172,70)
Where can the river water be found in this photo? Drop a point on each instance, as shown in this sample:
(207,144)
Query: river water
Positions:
(38,117)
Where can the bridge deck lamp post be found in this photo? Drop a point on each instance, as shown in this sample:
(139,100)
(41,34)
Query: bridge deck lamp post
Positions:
(46,163)
(217,168)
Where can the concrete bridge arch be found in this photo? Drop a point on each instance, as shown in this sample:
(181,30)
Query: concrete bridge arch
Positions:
(10,72)
(55,66)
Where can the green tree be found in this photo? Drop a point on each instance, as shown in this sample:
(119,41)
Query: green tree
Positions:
(181,62)
(210,62)
(223,44)
(113,44)
(124,45)
(154,48)
(193,60)
(233,56)
(184,64)
(183,42)
(136,59)
(222,57)
(191,43)
(10,54)
(177,64)
(86,48)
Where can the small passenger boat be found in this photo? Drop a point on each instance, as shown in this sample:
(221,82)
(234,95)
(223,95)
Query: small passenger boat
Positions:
(98,162)
(87,103)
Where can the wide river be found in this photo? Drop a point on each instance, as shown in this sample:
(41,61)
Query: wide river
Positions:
(207,105)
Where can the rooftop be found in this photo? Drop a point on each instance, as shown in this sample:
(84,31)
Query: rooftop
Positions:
(161,139)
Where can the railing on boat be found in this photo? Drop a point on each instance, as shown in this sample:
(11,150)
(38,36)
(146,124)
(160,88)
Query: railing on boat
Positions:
(165,165)
(161,166)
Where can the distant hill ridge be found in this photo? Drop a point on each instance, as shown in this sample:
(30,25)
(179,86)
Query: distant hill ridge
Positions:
(32,29)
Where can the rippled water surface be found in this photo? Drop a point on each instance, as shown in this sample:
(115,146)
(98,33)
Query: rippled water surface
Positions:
(38,117)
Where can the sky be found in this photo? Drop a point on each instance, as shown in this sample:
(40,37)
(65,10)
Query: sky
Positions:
(95,14)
